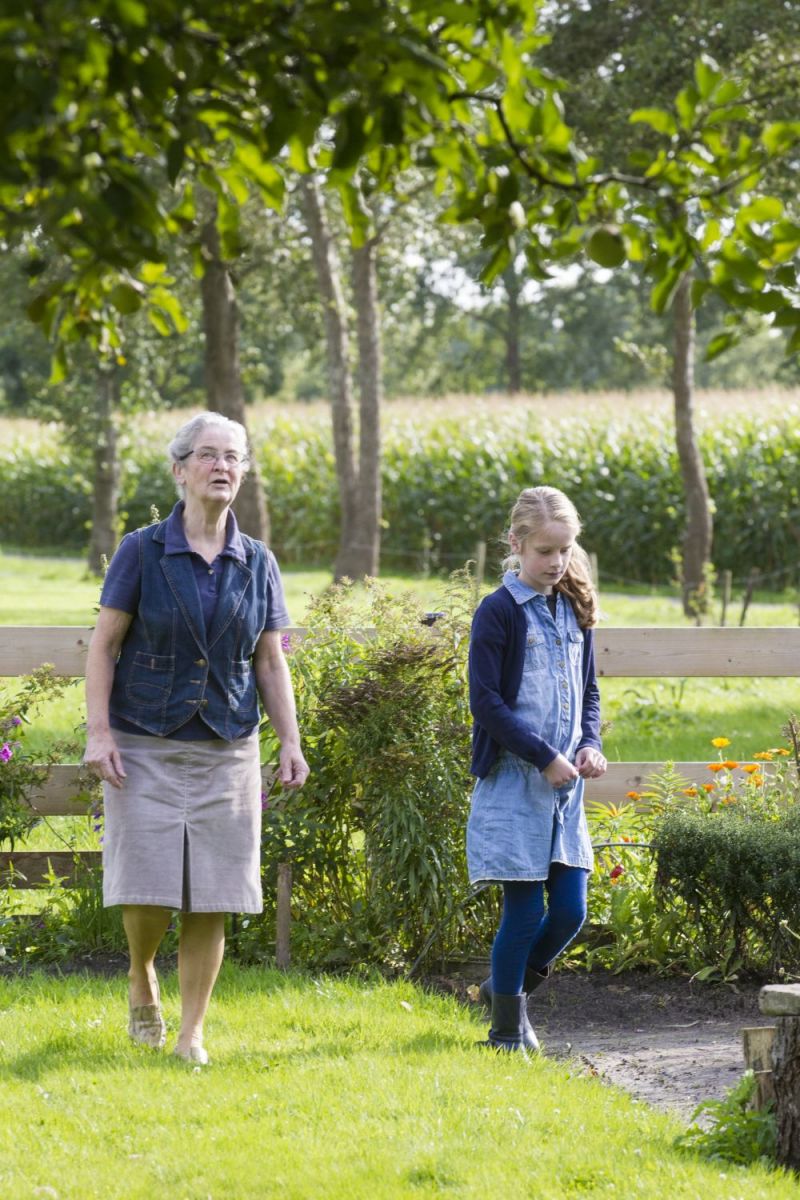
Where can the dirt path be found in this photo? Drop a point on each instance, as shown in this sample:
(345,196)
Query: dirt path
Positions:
(666,1041)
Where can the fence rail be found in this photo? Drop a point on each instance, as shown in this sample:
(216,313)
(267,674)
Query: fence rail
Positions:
(656,652)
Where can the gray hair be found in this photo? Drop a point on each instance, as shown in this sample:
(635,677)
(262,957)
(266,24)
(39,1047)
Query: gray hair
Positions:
(188,434)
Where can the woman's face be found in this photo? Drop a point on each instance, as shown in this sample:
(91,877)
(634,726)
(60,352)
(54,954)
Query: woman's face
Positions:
(213,470)
(544,556)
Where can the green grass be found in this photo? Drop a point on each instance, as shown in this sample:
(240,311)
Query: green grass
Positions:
(317,1087)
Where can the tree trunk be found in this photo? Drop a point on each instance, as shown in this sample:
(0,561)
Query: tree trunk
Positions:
(699,525)
(786,1082)
(222,374)
(105,483)
(370,385)
(340,384)
(513,362)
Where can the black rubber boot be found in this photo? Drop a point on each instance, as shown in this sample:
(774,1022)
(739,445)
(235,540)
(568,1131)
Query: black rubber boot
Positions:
(507,1031)
(533,980)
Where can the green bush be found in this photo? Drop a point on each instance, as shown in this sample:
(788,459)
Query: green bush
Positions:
(734,875)
(449,483)
(376,836)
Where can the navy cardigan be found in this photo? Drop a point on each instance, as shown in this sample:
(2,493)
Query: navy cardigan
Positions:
(496,659)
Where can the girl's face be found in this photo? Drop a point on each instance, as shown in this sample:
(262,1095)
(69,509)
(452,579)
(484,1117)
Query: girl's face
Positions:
(544,555)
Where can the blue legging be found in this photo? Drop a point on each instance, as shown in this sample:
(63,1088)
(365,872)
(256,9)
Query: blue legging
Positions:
(530,937)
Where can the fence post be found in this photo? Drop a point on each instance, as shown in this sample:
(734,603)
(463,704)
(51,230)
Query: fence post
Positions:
(752,580)
(727,581)
(283,917)
(480,569)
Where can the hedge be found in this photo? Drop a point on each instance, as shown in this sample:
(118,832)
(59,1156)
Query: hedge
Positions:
(448,483)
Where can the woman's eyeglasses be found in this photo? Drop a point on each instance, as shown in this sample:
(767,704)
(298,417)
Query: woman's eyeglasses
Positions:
(209,457)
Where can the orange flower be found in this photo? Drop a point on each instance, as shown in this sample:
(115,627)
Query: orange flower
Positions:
(756,780)
(692,791)
(729,799)
(750,768)
(708,787)
(729,764)
(716,766)
(633,795)
(783,753)
(720,742)
(764,755)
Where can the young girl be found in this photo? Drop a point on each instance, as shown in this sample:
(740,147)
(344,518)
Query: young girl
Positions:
(536,737)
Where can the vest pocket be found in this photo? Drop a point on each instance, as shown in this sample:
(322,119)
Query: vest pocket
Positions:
(575,646)
(150,678)
(241,685)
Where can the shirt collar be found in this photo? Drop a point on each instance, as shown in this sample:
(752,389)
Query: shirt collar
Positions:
(175,539)
(519,590)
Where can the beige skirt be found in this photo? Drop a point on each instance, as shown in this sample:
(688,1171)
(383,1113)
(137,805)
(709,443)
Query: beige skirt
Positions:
(184,831)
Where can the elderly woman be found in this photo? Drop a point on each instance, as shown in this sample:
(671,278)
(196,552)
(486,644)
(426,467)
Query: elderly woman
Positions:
(186,638)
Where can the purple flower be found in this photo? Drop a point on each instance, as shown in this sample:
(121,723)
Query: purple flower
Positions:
(6,753)
(264,801)
(286,643)
(16,721)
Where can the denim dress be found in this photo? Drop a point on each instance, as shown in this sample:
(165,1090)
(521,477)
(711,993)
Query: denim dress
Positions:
(519,824)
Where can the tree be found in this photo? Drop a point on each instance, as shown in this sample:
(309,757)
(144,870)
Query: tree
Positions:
(222,372)
(615,54)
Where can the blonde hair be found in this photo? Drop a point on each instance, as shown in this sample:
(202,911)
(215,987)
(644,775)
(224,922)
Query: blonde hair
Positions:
(537,506)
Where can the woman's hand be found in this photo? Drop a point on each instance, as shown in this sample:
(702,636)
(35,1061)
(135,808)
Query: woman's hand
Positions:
(293,770)
(559,771)
(591,763)
(103,759)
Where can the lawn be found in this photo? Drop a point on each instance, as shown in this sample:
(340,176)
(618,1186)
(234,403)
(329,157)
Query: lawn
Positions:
(318,1087)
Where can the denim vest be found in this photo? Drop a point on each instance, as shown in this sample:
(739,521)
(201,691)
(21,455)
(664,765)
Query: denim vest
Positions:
(169,667)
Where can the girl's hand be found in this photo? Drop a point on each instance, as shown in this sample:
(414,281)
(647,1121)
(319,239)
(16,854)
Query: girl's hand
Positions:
(559,771)
(591,763)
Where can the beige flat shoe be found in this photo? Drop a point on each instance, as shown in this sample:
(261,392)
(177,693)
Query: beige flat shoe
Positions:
(195,1054)
(146,1024)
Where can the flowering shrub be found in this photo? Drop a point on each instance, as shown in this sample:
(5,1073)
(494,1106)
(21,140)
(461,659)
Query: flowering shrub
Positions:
(19,775)
(729,859)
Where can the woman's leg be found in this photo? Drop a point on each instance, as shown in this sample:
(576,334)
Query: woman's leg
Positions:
(523,910)
(200,950)
(145,926)
(566,913)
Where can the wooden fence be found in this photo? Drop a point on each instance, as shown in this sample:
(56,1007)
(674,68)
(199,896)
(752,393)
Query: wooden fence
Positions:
(628,653)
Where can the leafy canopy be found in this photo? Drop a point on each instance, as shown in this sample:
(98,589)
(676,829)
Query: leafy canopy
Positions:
(116,114)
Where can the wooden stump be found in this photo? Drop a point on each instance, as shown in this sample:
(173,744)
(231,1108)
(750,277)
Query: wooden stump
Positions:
(757,1043)
(783,1002)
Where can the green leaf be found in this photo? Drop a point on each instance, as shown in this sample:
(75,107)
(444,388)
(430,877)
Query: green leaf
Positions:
(706,75)
(719,344)
(656,118)
(351,138)
(787,318)
(497,263)
(606,247)
(125,298)
(132,12)
(780,136)
(59,367)
(175,155)
(765,208)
